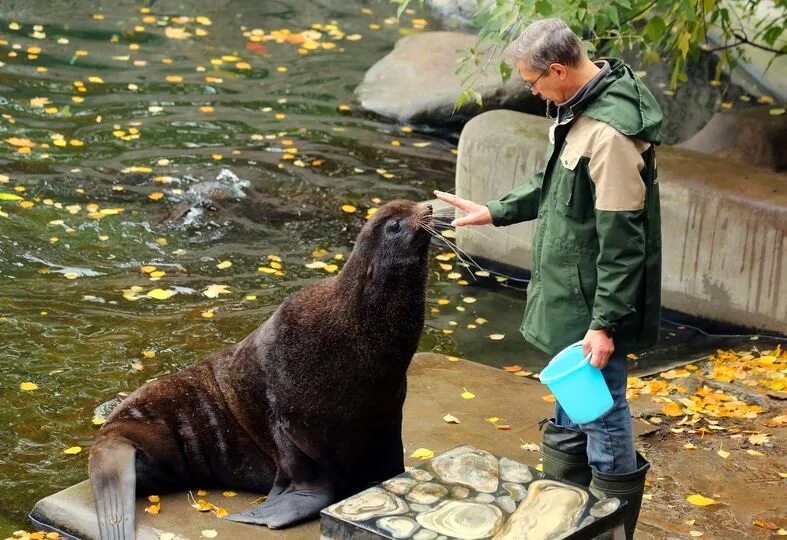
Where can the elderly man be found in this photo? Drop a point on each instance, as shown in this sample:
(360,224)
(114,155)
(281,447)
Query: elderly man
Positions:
(596,258)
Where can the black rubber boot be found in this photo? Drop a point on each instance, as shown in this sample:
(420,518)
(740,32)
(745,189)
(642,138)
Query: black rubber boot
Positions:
(565,453)
(627,487)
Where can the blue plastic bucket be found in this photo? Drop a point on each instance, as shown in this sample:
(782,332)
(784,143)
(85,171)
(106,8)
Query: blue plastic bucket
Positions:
(578,387)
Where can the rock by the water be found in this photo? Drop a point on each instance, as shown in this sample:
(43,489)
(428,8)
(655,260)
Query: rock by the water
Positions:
(749,136)
(455,14)
(416,82)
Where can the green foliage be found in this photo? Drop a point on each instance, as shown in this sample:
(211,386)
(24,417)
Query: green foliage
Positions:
(673,31)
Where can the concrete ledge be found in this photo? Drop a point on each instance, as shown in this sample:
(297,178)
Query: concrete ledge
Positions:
(435,388)
(723,224)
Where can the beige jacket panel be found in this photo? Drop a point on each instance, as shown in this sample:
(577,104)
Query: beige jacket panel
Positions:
(615,163)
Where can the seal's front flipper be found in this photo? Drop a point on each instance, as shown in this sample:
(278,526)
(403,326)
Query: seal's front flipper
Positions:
(113,477)
(287,509)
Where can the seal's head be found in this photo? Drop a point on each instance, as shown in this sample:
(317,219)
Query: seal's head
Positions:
(398,231)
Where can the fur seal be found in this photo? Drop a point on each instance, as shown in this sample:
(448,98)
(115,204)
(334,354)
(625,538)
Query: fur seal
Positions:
(307,408)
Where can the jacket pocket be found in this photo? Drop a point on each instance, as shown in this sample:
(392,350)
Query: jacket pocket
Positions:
(575,283)
(573,193)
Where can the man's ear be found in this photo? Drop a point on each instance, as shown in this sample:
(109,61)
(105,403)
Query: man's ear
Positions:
(560,70)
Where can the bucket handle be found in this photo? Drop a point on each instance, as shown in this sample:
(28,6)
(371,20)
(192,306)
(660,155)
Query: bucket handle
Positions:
(582,364)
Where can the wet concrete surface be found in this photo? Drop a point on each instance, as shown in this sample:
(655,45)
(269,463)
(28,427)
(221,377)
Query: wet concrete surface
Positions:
(746,487)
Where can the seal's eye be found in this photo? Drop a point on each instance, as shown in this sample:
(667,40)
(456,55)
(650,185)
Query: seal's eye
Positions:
(393,226)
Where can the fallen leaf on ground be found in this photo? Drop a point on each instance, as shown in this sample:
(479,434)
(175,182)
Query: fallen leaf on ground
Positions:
(422,453)
(759,439)
(451,419)
(699,500)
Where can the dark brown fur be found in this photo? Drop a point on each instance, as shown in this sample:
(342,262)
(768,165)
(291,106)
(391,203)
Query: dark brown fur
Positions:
(308,407)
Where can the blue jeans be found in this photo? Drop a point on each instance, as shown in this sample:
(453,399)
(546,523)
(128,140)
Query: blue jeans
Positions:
(610,441)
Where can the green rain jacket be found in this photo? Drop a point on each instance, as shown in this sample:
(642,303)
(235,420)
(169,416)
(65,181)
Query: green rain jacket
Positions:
(596,254)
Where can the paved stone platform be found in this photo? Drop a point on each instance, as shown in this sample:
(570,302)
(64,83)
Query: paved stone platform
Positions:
(435,389)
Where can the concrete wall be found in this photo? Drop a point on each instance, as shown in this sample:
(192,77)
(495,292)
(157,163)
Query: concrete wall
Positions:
(723,225)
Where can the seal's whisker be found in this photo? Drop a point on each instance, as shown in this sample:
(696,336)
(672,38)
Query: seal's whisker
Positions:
(457,250)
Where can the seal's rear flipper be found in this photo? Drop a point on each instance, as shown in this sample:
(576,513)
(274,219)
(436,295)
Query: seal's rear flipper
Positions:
(286,509)
(112,474)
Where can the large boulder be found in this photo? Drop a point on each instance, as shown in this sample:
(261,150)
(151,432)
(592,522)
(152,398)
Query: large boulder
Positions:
(456,14)
(416,82)
(749,136)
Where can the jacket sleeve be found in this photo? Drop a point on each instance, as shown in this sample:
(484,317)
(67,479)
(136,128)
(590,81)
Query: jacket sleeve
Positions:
(614,167)
(519,204)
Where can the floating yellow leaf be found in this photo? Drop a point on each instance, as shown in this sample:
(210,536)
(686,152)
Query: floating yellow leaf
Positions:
(450,419)
(154,498)
(153,509)
(156,196)
(350,209)
(73,450)
(497,337)
(213,291)
(173,78)
(176,33)
(19,141)
(699,500)
(161,294)
(422,453)
(229,494)
(467,394)
(549,398)
(27,386)
(209,533)
(723,453)
(98,420)
(224,264)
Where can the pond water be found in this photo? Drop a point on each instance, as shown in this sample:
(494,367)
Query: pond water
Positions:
(153,144)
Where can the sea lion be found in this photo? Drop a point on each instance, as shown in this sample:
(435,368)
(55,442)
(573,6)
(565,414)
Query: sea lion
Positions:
(307,408)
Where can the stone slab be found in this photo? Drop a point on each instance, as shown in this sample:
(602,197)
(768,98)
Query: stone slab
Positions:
(470,493)
(435,385)
(723,223)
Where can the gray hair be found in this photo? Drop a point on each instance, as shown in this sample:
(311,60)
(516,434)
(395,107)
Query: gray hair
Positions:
(545,42)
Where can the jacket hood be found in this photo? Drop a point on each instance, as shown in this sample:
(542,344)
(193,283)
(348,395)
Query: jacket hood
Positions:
(623,101)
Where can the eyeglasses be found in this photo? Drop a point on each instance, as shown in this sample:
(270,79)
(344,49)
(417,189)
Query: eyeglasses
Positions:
(529,86)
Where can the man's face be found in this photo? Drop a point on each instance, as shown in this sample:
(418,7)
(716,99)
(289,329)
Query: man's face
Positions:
(548,84)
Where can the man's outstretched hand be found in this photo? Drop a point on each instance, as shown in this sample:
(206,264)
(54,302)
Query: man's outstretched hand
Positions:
(476,214)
